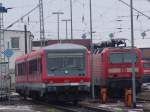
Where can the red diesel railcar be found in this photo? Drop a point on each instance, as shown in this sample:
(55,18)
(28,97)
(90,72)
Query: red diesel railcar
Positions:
(56,72)
(112,69)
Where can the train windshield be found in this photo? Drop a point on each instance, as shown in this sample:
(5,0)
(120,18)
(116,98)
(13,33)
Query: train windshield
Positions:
(65,63)
(122,57)
(146,65)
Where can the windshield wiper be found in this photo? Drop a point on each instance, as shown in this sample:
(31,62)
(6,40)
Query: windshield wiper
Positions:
(54,68)
(75,67)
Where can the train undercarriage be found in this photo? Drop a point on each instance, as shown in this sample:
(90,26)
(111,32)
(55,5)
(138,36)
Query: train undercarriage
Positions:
(57,93)
(116,88)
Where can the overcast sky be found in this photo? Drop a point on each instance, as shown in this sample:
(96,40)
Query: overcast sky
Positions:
(105,16)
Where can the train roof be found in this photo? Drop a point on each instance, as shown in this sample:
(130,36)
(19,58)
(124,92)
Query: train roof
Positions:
(21,58)
(125,48)
(65,46)
(100,50)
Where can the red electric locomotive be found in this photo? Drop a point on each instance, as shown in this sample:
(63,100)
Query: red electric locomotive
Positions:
(56,72)
(112,69)
(146,71)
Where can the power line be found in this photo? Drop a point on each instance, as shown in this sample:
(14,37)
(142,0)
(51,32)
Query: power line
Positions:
(135,9)
(58,16)
(22,17)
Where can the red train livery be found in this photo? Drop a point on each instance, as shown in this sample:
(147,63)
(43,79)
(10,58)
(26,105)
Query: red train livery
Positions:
(59,71)
(146,71)
(112,69)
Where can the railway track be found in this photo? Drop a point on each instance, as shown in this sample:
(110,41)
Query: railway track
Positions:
(69,107)
(144,99)
(63,107)
(83,107)
(80,108)
(144,96)
(91,107)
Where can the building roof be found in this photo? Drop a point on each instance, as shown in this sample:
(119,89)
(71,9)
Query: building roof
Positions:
(17,31)
(84,42)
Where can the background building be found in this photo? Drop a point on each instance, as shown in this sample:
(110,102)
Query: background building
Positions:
(84,42)
(15,40)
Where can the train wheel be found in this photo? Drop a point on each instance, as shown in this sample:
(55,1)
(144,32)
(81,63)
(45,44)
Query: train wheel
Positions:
(75,102)
(46,98)
(24,95)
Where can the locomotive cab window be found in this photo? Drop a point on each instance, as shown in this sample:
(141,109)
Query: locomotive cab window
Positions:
(124,57)
(146,65)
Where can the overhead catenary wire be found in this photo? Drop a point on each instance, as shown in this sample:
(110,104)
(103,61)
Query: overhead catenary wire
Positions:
(25,15)
(45,18)
(22,17)
(135,9)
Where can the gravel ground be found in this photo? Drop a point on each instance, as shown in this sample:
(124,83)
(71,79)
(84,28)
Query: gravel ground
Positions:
(145,95)
(26,107)
(18,104)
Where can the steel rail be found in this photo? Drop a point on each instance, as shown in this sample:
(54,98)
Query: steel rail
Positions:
(69,107)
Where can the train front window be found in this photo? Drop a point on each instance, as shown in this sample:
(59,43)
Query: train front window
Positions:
(121,57)
(65,63)
(146,65)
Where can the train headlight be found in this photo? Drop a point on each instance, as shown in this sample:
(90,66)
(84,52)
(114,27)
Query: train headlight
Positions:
(87,88)
(80,88)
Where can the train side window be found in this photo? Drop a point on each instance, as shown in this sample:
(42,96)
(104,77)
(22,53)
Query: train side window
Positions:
(24,68)
(40,65)
(32,66)
(16,71)
(21,68)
